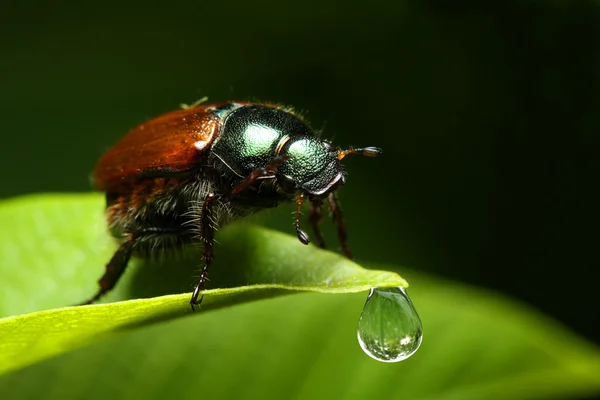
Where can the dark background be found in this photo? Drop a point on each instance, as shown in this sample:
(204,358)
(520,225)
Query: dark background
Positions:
(487,112)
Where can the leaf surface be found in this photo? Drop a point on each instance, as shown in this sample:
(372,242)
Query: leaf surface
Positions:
(58,242)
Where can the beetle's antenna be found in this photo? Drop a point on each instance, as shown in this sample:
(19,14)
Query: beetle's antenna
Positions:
(363,151)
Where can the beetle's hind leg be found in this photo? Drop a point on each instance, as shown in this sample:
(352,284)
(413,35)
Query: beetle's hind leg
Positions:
(114,269)
(118,263)
(208,239)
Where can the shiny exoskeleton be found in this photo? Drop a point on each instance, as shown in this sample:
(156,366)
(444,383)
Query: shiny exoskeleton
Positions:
(174,179)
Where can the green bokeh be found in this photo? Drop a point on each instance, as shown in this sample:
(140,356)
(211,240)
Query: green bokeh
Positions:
(486,112)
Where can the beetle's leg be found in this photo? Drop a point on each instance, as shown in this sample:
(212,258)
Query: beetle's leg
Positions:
(302,236)
(269,170)
(208,238)
(114,269)
(117,264)
(315,217)
(336,213)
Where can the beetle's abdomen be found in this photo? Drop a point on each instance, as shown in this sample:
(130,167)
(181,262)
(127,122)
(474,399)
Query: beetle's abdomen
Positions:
(170,207)
(153,204)
(125,202)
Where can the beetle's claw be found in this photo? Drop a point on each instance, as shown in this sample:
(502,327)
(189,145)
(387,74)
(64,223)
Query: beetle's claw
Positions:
(302,236)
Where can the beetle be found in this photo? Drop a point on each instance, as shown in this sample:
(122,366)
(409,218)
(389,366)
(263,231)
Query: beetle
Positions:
(173,179)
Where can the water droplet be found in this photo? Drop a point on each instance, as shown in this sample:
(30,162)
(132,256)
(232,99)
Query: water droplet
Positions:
(389,328)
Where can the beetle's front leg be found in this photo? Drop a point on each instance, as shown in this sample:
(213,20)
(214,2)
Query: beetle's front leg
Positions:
(262,172)
(302,236)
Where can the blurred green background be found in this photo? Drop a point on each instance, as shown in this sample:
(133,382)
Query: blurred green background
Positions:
(487,113)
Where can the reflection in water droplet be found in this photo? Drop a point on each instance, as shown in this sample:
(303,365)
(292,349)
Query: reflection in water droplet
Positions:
(389,328)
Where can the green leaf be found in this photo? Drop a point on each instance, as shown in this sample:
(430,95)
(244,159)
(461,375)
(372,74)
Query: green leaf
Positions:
(477,345)
(55,250)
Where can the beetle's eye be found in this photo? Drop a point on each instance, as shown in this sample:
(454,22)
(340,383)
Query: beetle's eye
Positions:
(286,183)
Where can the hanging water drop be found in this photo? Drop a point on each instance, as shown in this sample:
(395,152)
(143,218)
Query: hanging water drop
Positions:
(389,328)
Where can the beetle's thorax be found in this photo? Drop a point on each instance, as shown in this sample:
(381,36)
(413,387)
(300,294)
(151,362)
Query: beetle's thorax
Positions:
(253,136)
